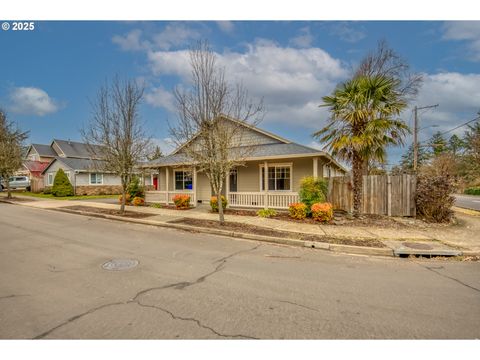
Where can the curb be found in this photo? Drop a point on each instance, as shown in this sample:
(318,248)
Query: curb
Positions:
(338,248)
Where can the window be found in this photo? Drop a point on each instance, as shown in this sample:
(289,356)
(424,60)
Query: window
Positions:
(96,179)
(50,179)
(68,175)
(183,180)
(279,178)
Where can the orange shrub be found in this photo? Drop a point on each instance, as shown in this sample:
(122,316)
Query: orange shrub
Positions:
(297,210)
(322,212)
(127,199)
(214,203)
(181,201)
(138,201)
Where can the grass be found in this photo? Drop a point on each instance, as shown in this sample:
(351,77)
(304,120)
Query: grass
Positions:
(79,197)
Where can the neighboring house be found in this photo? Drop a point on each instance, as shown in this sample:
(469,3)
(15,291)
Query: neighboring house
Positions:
(82,169)
(286,163)
(40,152)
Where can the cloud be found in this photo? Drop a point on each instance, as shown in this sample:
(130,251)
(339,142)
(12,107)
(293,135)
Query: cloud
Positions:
(32,101)
(346,32)
(458,96)
(304,39)
(167,145)
(467,31)
(159,97)
(226,26)
(291,81)
(131,41)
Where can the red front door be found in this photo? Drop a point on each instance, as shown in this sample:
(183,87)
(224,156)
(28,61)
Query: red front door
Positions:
(155,183)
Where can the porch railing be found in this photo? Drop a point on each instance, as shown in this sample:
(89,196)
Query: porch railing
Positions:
(262,199)
(162,196)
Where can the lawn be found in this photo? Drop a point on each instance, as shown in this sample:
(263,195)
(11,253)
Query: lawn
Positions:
(79,197)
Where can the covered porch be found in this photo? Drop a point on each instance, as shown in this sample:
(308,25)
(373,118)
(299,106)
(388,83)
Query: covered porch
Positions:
(245,187)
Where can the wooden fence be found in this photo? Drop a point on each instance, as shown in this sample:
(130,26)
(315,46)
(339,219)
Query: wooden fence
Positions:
(36,184)
(382,194)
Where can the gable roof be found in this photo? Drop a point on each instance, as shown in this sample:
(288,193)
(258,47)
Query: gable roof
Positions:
(258,152)
(74,149)
(43,150)
(77,164)
(275,138)
(35,166)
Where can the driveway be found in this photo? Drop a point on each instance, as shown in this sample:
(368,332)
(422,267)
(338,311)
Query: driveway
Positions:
(468,201)
(197,286)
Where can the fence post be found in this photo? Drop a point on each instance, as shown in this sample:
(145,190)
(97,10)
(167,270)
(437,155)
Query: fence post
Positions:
(389,195)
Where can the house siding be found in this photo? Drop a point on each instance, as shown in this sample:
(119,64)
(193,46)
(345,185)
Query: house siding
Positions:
(54,168)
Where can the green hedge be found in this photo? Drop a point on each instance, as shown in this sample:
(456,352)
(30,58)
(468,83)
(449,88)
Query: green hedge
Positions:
(472,191)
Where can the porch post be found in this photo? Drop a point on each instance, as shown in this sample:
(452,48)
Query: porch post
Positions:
(194,187)
(227,188)
(315,167)
(265,184)
(151,181)
(166,185)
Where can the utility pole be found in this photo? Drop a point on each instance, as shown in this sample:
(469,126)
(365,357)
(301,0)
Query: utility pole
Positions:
(415,133)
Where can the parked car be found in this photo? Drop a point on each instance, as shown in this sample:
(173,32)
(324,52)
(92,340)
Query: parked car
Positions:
(16,182)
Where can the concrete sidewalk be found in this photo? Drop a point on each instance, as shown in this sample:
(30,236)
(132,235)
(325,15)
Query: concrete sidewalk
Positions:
(462,236)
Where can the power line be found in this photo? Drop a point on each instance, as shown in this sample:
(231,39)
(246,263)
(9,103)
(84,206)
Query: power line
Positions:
(459,126)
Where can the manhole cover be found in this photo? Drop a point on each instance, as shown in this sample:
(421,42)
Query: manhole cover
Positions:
(120,264)
(418,246)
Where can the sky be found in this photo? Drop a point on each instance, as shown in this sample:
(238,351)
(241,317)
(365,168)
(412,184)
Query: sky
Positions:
(50,76)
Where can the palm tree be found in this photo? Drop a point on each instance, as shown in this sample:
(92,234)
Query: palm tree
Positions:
(364,121)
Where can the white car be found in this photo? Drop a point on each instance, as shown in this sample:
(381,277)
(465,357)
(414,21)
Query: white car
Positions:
(16,182)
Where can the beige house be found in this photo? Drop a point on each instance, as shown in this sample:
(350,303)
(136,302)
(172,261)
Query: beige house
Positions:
(247,186)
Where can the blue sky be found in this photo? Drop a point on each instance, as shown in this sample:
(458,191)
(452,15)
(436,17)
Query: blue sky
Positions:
(48,76)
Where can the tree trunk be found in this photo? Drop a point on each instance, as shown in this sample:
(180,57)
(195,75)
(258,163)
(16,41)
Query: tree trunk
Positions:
(124,196)
(9,191)
(357,169)
(220,207)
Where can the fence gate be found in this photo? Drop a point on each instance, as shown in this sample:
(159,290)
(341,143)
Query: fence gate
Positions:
(382,194)
(36,184)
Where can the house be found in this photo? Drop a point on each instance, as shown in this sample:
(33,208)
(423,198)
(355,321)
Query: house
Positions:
(40,152)
(246,186)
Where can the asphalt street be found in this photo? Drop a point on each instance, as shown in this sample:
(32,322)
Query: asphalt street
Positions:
(197,286)
(468,201)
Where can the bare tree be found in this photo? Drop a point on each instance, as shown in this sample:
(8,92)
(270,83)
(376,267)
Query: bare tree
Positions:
(116,129)
(213,116)
(11,149)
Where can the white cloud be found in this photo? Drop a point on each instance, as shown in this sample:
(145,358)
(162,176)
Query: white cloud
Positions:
(174,35)
(291,81)
(304,39)
(346,32)
(131,41)
(167,145)
(159,97)
(226,26)
(465,30)
(32,101)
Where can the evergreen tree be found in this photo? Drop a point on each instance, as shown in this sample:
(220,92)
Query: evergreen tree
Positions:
(437,144)
(61,185)
(455,145)
(406,162)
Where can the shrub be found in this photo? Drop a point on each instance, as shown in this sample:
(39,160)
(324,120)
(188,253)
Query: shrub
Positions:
(434,197)
(297,210)
(156,205)
(472,191)
(47,190)
(181,201)
(266,213)
(322,212)
(214,203)
(135,189)
(61,184)
(127,199)
(138,201)
(312,190)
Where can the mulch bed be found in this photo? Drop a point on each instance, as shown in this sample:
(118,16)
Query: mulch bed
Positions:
(16,199)
(258,230)
(129,214)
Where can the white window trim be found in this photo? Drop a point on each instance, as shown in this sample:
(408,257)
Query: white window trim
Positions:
(96,175)
(68,175)
(289,165)
(175,179)
(50,174)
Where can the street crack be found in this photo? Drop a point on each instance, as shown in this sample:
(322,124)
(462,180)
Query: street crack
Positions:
(434,270)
